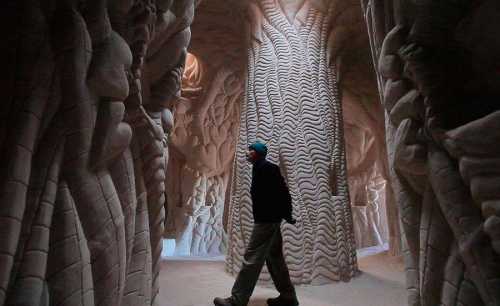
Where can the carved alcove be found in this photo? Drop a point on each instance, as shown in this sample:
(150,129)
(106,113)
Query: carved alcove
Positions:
(374,208)
(203,139)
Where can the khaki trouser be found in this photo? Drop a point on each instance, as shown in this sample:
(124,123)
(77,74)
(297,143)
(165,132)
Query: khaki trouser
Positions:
(265,246)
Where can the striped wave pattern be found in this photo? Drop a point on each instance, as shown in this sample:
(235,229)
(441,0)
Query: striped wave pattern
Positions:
(292,104)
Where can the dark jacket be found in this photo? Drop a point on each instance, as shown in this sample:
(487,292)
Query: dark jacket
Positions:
(271,201)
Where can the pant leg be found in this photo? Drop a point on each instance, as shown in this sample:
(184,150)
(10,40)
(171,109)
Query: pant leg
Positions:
(253,261)
(276,265)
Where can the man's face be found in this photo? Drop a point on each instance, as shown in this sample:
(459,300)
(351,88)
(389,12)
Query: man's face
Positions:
(252,156)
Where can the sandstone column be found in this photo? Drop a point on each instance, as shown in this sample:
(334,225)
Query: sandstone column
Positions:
(293,105)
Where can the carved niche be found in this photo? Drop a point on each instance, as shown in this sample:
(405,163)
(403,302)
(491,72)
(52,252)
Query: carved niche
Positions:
(204,135)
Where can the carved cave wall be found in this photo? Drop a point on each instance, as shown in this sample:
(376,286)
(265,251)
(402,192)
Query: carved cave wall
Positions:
(205,132)
(373,206)
(83,134)
(193,188)
(92,88)
(91,94)
(437,72)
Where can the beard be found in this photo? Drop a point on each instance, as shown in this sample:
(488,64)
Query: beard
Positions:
(249,158)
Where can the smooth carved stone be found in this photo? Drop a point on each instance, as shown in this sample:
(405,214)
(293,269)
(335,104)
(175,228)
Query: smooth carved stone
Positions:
(449,213)
(162,60)
(167,119)
(393,91)
(471,166)
(477,166)
(164,5)
(390,66)
(115,136)
(484,188)
(291,8)
(85,227)
(410,156)
(490,208)
(106,75)
(470,138)
(409,106)
(390,47)
(492,227)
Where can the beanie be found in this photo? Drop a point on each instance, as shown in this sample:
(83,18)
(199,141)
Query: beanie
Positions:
(259,147)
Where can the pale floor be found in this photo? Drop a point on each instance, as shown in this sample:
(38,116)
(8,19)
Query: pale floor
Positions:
(196,283)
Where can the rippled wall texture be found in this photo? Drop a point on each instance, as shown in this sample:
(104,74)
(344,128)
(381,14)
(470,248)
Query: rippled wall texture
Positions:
(292,104)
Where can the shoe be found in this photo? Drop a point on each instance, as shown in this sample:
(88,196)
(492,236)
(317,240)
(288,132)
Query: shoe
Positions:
(224,301)
(282,301)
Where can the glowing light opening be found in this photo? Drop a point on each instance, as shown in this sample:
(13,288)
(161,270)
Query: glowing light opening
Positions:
(193,73)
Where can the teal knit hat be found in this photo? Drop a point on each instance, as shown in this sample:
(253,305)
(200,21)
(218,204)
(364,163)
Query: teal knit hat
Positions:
(259,147)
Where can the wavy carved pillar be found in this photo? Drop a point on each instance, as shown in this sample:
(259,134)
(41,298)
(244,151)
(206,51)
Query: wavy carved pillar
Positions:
(292,104)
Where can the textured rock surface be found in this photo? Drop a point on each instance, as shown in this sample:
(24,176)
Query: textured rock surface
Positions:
(205,131)
(368,184)
(83,150)
(438,73)
(373,206)
(292,104)
(200,144)
(89,94)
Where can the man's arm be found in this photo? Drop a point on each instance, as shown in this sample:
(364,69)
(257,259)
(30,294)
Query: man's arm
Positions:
(284,196)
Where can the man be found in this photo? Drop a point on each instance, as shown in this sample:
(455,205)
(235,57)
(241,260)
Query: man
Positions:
(271,202)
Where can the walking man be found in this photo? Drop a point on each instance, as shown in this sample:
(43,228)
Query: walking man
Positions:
(271,202)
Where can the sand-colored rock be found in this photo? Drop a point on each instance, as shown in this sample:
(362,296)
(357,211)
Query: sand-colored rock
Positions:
(84,151)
